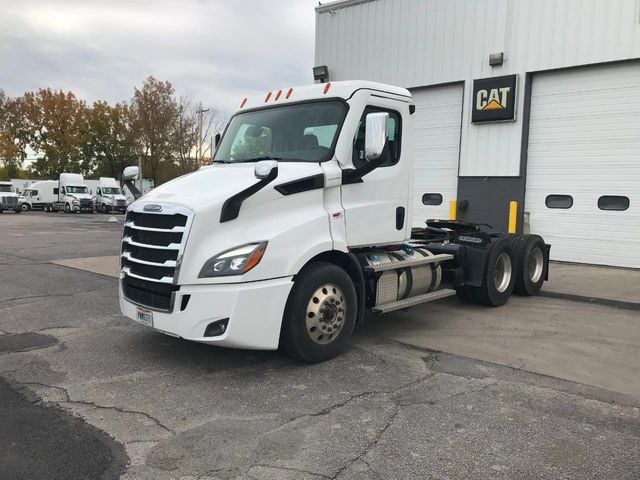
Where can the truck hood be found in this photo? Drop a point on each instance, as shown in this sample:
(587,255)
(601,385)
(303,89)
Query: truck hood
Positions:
(213,184)
(115,197)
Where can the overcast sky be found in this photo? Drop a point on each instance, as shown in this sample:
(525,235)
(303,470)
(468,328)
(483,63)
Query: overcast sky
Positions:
(217,51)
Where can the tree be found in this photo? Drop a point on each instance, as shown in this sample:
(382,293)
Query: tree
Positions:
(59,130)
(111,140)
(14,134)
(156,111)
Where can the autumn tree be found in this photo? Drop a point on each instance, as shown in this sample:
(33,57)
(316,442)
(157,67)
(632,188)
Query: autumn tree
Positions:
(156,111)
(14,134)
(59,131)
(111,140)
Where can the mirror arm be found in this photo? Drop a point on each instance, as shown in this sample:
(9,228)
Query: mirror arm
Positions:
(354,175)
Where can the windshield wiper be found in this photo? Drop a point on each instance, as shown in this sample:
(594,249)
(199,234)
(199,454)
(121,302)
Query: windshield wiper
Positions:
(257,159)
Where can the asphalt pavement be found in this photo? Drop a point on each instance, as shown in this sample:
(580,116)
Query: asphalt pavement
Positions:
(125,401)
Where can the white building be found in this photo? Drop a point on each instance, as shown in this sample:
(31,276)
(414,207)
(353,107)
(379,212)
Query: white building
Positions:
(571,155)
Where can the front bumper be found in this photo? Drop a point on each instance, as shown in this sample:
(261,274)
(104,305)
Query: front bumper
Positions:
(254,311)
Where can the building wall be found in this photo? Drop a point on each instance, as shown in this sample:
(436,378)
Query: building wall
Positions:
(416,43)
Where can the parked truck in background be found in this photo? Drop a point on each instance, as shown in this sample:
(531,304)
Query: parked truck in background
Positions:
(41,195)
(109,197)
(9,198)
(302,227)
(73,194)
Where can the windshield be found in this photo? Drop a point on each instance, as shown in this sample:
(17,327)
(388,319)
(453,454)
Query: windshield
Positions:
(301,133)
(110,191)
(72,189)
(6,188)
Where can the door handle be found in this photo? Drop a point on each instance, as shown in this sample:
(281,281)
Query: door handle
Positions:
(400,218)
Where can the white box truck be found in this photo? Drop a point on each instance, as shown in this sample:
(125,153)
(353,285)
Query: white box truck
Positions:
(301,228)
(9,198)
(109,197)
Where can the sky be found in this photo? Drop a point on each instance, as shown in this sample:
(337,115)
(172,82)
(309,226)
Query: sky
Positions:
(214,51)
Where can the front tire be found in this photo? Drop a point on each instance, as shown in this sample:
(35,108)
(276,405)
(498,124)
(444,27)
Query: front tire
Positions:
(67,208)
(320,313)
(18,210)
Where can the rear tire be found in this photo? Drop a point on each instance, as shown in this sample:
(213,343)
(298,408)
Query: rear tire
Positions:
(499,277)
(466,294)
(320,314)
(18,210)
(531,264)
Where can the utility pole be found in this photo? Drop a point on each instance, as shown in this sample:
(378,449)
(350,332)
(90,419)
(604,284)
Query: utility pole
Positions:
(200,112)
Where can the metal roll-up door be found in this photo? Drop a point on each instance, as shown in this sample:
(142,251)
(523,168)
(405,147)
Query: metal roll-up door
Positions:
(437,123)
(583,166)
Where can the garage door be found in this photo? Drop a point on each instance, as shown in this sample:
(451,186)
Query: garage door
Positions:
(437,124)
(583,168)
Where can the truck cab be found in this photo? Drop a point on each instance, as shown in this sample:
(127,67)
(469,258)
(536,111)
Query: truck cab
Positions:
(109,197)
(301,226)
(73,194)
(9,198)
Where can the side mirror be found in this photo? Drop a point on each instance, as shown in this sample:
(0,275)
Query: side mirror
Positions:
(130,173)
(376,135)
(265,169)
(216,139)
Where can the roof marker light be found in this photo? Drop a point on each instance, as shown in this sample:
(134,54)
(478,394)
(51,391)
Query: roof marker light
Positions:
(266,99)
(243,102)
(289,92)
(278,94)
(326,87)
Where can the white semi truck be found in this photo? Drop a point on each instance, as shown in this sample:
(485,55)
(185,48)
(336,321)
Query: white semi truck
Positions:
(73,195)
(109,197)
(301,228)
(9,198)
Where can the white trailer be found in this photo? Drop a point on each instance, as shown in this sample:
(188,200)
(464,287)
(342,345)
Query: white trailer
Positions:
(302,225)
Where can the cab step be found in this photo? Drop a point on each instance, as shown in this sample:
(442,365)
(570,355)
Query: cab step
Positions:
(412,262)
(412,301)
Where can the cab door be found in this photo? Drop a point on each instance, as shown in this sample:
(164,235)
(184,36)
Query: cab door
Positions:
(376,207)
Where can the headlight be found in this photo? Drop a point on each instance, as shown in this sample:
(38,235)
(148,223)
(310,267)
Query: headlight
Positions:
(236,261)
(76,202)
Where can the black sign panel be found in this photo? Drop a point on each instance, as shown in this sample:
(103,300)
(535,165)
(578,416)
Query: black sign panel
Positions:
(494,99)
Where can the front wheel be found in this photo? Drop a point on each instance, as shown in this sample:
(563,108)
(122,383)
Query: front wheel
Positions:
(18,210)
(67,208)
(320,313)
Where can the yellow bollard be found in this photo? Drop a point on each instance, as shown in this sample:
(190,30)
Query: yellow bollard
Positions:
(453,208)
(513,213)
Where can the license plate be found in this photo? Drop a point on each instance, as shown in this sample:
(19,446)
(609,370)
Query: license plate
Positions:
(144,317)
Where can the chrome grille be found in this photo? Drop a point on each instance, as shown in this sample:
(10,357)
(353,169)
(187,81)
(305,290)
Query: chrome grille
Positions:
(121,203)
(151,247)
(10,200)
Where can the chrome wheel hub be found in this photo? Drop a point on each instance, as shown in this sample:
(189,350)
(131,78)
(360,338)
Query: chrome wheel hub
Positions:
(535,264)
(326,312)
(502,272)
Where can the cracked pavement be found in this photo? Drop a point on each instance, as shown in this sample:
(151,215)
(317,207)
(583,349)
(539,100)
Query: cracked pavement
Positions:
(382,410)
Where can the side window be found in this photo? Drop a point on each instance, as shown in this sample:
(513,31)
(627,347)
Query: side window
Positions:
(34,193)
(98,191)
(55,190)
(559,201)
(613,202)
(62,190)
(432,199)
(394,128)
